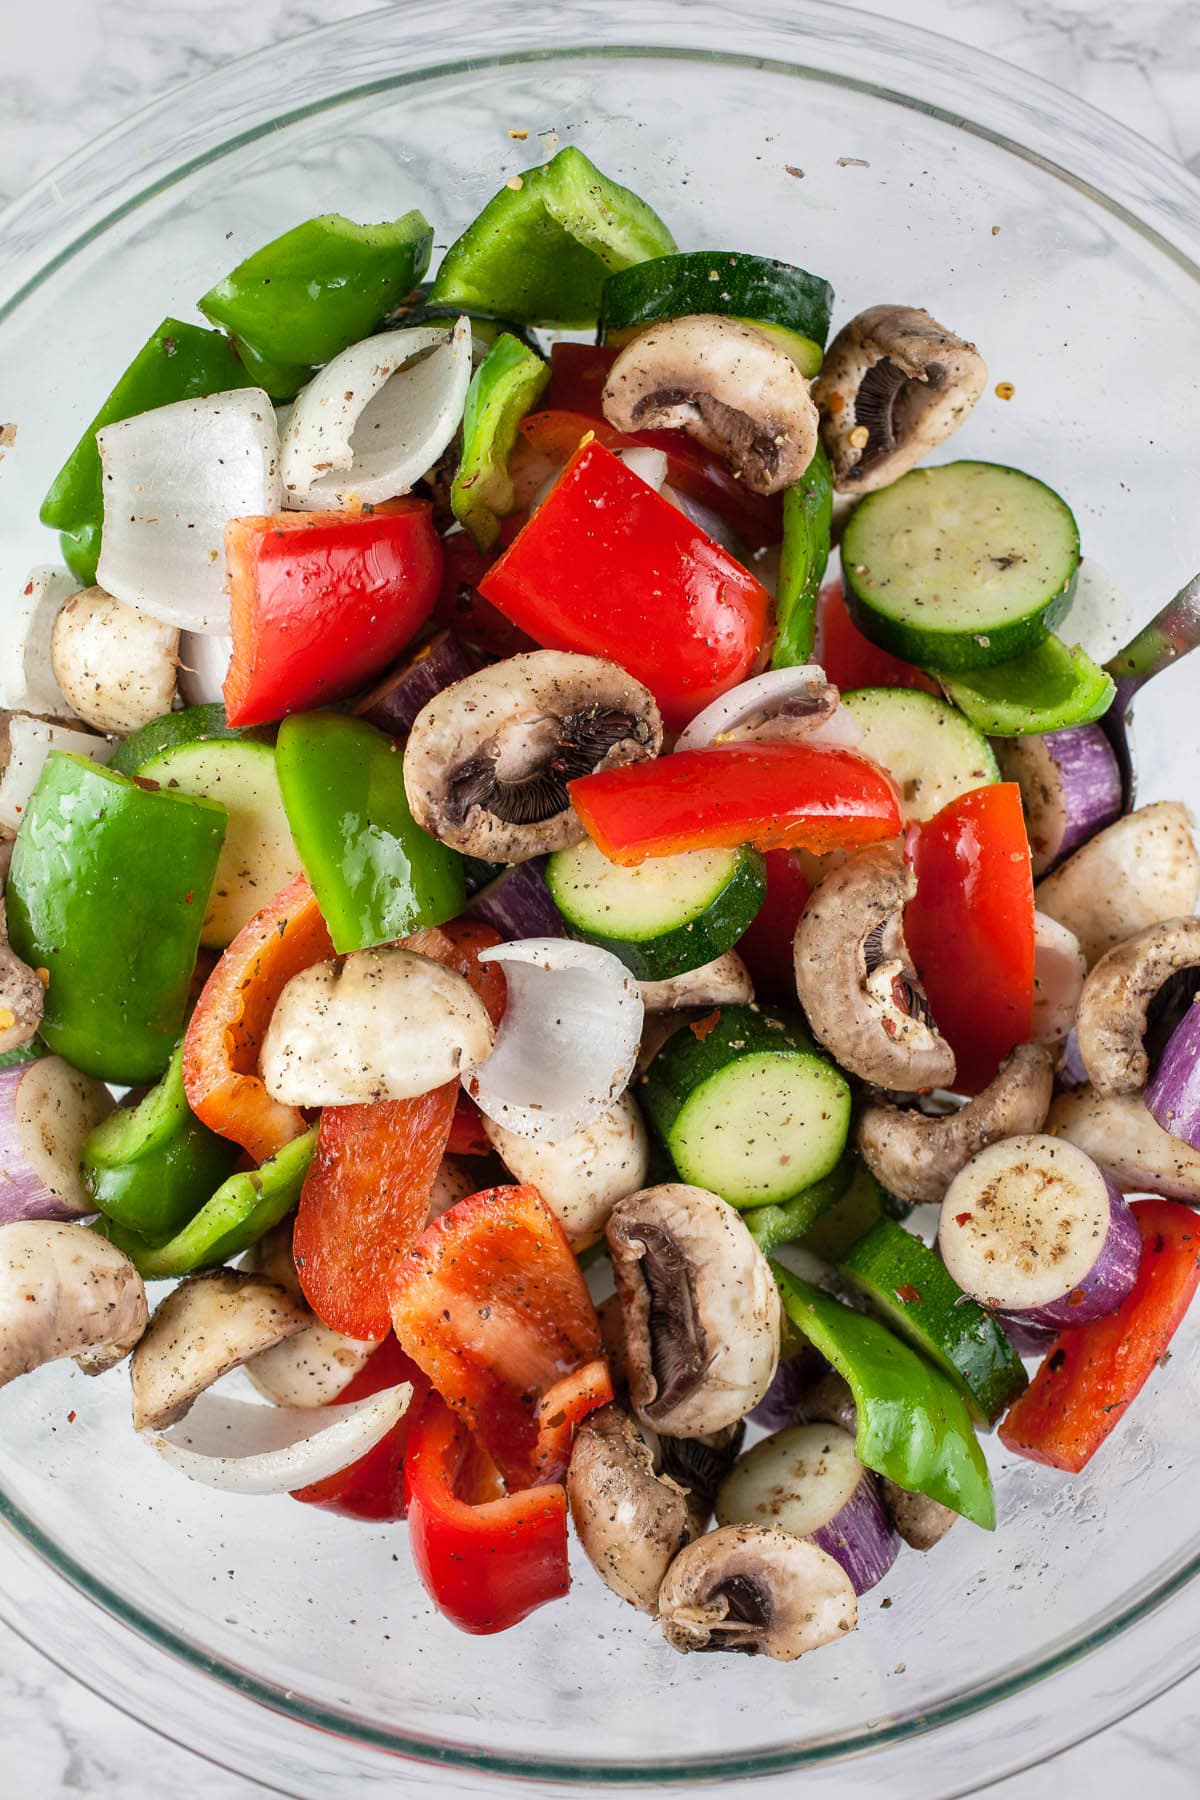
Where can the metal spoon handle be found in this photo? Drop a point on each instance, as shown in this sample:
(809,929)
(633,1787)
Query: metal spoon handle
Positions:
(1169,635)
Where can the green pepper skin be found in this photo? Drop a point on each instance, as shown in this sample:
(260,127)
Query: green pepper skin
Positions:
(177,362)
(539,252)
(1047,689)
(242,1210)
(505,386)
(913,1424)
(375,873)
(807,528)
(107,892)
(774,1225)
(151,1167)
(306,296)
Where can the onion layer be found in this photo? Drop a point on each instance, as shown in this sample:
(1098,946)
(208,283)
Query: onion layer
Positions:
(568,1042)
(248,1449)
(27,681)
(30,742)
(791,703)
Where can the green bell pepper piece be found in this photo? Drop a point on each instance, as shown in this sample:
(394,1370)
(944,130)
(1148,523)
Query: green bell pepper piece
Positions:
(24,1053)
(539,251)
(774,1225)
(807,525)
(107,892)
(177,362)
(242,1210)
(306,296)
(504,387)
(375,873)
(913,1423)
(1045,690)
(152,1166)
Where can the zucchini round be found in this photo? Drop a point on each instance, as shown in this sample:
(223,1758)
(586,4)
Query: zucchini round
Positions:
(789,304)
(664,917)
(930,750)
(747,1106)
(960,566)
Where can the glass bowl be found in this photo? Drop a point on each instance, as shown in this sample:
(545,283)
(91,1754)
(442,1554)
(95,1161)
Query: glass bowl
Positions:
(297,1648)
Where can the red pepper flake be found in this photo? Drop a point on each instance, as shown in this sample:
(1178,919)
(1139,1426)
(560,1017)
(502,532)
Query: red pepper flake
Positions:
(144,781)
(963,1218)
(702,1028)
(1077,1298)
(188,898)
(908,1295)
(71,1417)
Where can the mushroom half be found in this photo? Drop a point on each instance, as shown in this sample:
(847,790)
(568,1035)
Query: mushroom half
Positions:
(1114,1007)
(728,385)
(205,1327)
(631,1519)
(855,979)
(893,386)
(758,1590)
(699,1308)
(65,1291)
(916,1155)
(488,760)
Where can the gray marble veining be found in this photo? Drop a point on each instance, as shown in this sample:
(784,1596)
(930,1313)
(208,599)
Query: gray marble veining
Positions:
(71,68)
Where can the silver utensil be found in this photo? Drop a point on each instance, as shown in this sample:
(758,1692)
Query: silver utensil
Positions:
(1170,634)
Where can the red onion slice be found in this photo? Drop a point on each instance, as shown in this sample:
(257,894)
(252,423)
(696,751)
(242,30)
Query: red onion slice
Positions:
(518,903)
(1070,786)
(1173,1096)
(47,1109)
(399,697)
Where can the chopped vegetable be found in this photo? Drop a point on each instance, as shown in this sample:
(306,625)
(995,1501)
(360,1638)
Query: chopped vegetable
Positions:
(503,389)
(373,1487)
(1049,688)
(788,304)
(65,1292)
(807,524)
(47,1111)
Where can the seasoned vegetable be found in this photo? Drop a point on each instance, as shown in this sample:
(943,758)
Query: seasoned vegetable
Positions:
(65,1292)
(757,1590)
(1141,870)
(789,304)
(928,748)
(47,1110)
(115,667)
(503,389)
(1050,688)
(807,528)
(205,1327)
(1070,788)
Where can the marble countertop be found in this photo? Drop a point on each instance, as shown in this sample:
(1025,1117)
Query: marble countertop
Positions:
(70,69)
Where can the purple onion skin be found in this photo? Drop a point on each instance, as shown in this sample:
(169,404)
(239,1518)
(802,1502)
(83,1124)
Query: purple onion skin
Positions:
(1026,1338)
(1108,1280)
(518,903)
(1091,784)
(861,1536)
(22,1194)
(1173,1097)
(395,702)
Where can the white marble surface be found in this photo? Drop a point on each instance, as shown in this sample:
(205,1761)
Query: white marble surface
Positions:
(71,68)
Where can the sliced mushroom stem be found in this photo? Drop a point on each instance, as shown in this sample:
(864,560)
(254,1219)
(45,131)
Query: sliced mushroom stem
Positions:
(916,1155)
(631,1520)
(855,979)
(728,385)
(893,386)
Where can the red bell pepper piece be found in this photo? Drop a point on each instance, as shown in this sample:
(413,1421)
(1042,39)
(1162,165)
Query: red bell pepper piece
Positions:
(1093,1372)
(227,1027)
(774,794)
(766,948)
(970,927)
(463,609)
(485,1562)
(373,1487)
(609,567)
(851,660)
(467,1136)
(365,1199)
(321,602)
(578,373)
(490,1302)
(546,440)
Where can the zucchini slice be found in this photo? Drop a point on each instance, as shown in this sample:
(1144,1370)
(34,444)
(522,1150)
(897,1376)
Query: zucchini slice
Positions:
(258,856)
(787,303)
(664,917)
(1048,689)
(913,1291)
(747,1106)
(931,752)
(960,566)
(195,724)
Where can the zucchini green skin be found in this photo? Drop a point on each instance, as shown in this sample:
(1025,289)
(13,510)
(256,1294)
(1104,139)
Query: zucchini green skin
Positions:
(855,1212)
(914,1292)
(195,724)
(807,532)
(1047,689)
(771,1226)
(686,1078)
(757,289)
(894,620)
(688,945)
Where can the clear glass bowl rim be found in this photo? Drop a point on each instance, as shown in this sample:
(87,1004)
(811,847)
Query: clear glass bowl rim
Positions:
(71,207)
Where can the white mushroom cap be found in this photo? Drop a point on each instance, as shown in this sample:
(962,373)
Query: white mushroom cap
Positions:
(65,1291)
(757,1590)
